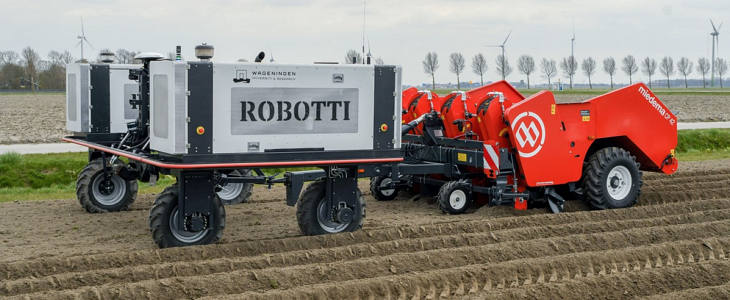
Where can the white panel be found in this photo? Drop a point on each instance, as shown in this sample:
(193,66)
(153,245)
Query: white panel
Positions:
(267,76)
(73,122)
(166,144)
(398,107)
(120,88)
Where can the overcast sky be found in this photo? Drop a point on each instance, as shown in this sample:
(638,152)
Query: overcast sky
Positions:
(401,32)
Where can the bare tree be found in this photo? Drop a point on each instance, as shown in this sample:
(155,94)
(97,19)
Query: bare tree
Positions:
(430,65)
(629,66)
(125,56)
(609,66)
(720,68)
(549,69)
(666,67)
(456,66)
(569,66)
(379,61)
(703,66)
(526,65)
(479,66)
(8,57)
(589,68)
(684,67)
(353,57)
(31,59)
(648,66)
(503,66)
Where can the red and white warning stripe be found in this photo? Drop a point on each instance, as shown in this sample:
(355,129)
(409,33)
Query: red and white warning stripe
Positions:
(491,159)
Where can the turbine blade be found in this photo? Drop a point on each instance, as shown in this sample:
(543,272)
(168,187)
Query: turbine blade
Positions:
(507,38)
(713,25)
(718,28)
(82,26)
(90,45)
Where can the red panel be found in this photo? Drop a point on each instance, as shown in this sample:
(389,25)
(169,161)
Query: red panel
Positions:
(633,112)
(421,104)
(408,95)
(452,110)
(543,150)
(489,110)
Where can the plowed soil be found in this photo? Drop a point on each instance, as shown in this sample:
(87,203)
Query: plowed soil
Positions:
(40,118)
(674,244)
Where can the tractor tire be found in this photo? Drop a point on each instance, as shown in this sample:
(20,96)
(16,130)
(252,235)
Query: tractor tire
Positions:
(455,197)
(611,179)
(98,195)
(311,211)
(379,193)
(235,193)
(164,228)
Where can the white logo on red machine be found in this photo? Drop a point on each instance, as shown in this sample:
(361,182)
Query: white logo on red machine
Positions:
(529,131)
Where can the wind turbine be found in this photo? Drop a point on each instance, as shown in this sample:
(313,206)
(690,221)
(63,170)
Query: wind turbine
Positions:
(502,46)
(572,41)
(82,39)
(715,34)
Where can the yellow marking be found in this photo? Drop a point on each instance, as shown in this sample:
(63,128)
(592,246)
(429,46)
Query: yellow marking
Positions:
(461,156)
(479,119)
(415,115)
(672,152)
(503,131)
(586,118)
(552,109)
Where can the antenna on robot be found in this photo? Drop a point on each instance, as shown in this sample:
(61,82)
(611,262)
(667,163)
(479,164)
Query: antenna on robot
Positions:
(363,27)
(82,39)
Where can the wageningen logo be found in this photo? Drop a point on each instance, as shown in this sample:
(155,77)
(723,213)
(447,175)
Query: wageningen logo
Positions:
(241,76)
(529,131)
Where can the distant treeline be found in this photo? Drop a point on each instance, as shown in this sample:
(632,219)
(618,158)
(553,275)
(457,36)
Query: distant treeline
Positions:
(27,70)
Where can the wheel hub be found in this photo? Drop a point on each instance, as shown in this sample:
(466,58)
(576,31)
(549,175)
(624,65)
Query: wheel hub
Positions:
(385,187)
(108,190)
(188,234)
(615,182)
(457,199)
(106,187)
(344,215)
(618,183)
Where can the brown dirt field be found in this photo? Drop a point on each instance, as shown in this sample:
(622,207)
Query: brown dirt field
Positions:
(40,118)
(674,244)
(32,118)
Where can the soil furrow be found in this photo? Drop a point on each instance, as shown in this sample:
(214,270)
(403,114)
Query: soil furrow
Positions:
(404,263)
(47,266)
(707,292)
(481,280)
(205,266)
(625,285)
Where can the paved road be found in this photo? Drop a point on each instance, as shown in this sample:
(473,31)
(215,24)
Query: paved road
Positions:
(66,147)
(41,148)
(703,125)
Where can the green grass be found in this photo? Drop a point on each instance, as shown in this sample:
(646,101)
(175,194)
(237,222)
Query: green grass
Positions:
(29,92)
(584,91)
(53,176)
(703,140)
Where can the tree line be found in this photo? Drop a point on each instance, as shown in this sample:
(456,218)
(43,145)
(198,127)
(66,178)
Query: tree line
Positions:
(548,68)
(29,70)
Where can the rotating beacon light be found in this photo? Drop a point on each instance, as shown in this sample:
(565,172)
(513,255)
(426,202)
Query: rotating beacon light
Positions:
(204,52)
